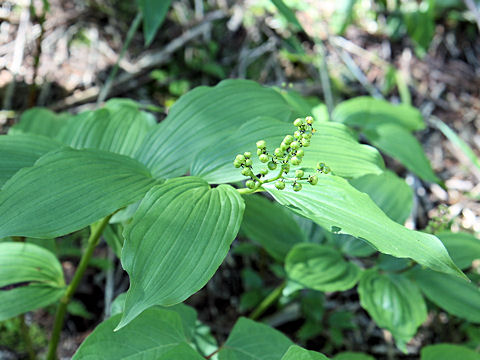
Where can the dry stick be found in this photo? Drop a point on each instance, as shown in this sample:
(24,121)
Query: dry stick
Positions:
(145,63)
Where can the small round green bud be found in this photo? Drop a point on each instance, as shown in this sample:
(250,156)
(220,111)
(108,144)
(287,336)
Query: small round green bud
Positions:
(250,184)
(286,168)
(295,145)
(264,171)
(309,120)
(259,152)
(307,136)
(299,174)
(263,158)
(296,160)
(280,185)
(261,144)
(288,139)
(306,142)
(248,162)
(297,134)
(298,122)
(278,152)
(240,158)
(246,172)
(320,166)
(283,146)
(247,154)
(271,165)
(236,163)
(297,187)
(313,179)
(326,170)
(300,153)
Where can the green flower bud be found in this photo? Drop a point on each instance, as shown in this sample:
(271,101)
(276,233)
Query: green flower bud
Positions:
(300,153)
(246,172)
(313,179)
(271,165)
(261,144)
(298,122)
(259,152)
(264,171)
(278,152)
(296,160)
(297,134)
(247,154)
(283,146)
(248,162)
(288,139)
(286,168)
(263,158)
(307,136)
(297,187)
(299,174)
(320,166)
(240,158)
(280,185)
(236,163)
(250,184)
(306,142)
(326,170)
(295,145)
(309,120)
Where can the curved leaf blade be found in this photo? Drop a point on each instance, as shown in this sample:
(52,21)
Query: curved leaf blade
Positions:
(464,248)
(297,353)
(448,352)
(39,121)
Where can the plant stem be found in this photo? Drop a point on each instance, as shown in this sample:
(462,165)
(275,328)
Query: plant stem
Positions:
(267,302)
(26,337)
(96,231)
(215,352)
(108,84)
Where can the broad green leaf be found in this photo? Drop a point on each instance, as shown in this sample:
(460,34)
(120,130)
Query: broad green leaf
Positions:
(22,150)
(287,13)
(295,352)
(456,296)
(39,121)
(203,118)
(336,205)
(303,106)
(448,352)
(176,240)
(320,267)
(119,127)
(67,190)
(394,302)
(180,352)
(30,277)
(150,336)
(154,12)
(368,113)
(389,192)
(250,340)
(404,147)
(352,356)
(271,225)
(332,144)
(464,248)
(350,245)
(114,238)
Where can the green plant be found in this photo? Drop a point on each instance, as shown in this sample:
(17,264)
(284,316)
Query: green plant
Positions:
(116,166)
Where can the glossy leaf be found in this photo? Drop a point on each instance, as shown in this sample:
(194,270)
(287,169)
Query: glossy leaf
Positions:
(176,240)
(404,147)
(448,352)
(271,225)
(30,277)
(458,297)
(202,118)
(22,150)
(389,192)
(250,340)
(334,204)
(154,12)
(39,121)
(368,113)
(464,248)
(67,190)
(394,302)
(295,352)
(320,267)
(153,334)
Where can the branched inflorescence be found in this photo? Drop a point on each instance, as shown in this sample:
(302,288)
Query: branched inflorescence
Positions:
(290,152)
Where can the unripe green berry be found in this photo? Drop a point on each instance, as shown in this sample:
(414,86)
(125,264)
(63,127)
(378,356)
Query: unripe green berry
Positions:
(240,158)
(263,158)
(306,142)
(309,120)
(246,172)
(259,152)
(296,160)
(280,185)
(307,136)
(288,139)
(300,153)
(247,154)
(236,163)
(248,162)
(297,134)
(278,152)
(299,174)
(250,184)
(283,146)
(313,179)
(298,122)
(320,166)
(297,187)
(271,165)
(326,170)
(264,171)
(295,145)
(261,144)
(286,168)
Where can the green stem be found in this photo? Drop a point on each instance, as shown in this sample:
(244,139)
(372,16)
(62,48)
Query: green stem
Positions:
(96,231)
(267,302)
(26,337)
(108,84)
